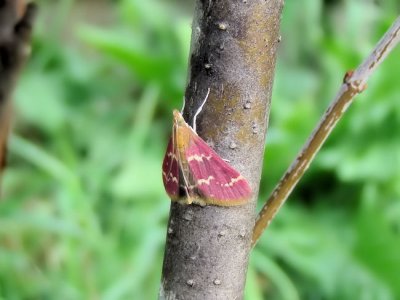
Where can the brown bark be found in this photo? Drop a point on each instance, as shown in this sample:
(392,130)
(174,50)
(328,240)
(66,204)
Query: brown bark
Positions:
(15,30)
(233,52)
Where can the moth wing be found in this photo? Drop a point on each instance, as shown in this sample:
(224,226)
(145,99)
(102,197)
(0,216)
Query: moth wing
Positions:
(170,171)
(216,181)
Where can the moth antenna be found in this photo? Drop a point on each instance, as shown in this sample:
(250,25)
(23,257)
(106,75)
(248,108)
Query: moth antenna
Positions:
(199,110)
(183,106)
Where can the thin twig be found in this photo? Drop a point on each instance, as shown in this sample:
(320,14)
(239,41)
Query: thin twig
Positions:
(353,84)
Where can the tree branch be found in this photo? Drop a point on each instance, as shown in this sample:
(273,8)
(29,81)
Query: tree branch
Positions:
(353,84)
(15,31)
(233,53)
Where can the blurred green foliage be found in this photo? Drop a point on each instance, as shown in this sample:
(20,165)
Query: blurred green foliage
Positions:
(85,212)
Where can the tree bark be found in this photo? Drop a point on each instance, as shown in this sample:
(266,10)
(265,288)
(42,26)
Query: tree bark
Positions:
(233,51)
(15,30)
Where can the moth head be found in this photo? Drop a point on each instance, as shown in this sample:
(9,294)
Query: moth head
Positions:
(178,119)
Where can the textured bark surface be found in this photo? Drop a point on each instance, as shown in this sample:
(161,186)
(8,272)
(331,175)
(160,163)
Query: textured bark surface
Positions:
(233,52)
(15,29)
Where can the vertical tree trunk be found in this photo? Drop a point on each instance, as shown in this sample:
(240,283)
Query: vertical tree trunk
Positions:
(15,30)
(233,52)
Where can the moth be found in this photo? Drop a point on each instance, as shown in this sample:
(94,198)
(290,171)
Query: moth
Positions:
(194,173)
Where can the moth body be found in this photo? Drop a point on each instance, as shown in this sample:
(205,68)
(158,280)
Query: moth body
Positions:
(194,173)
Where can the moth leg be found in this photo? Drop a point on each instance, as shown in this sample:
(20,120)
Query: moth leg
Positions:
(184,172)
(189,199)
(199,110)
(174,153)
(185,188)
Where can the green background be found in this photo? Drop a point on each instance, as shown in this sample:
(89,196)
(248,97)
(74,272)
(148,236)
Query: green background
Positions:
(85,212)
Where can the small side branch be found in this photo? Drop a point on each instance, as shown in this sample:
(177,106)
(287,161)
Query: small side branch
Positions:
(353,84)
(15,31)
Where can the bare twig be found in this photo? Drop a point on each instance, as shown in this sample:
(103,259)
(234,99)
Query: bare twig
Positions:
(353,84)
(15,30)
